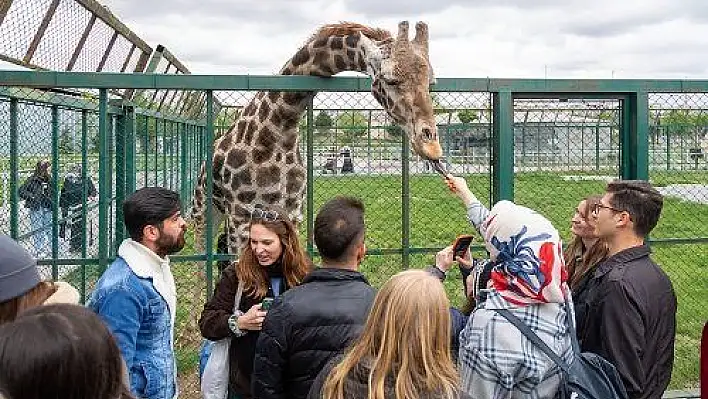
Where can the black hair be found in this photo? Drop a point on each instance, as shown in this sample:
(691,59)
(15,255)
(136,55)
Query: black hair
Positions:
(640,199)
(339,223)
(149,206)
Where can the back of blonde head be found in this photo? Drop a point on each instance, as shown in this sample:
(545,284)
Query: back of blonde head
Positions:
(406,339)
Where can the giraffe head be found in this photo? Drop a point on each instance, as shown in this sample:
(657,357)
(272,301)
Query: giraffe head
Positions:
(401,85)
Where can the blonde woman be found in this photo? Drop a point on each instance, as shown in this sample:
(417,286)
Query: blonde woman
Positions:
(404,348)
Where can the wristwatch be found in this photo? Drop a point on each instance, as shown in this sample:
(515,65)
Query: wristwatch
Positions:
(233,324)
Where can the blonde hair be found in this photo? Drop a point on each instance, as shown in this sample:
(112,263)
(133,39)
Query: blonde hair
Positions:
(406,339)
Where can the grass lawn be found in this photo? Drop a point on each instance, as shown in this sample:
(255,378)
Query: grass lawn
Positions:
(437,217)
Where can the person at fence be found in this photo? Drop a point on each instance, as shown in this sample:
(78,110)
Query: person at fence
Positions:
(528,278)
(270,264)
(21,287)
(60,351)
(404,348)
(310,324)
(631,316)
(38,193)
(585,251)
(71,202)
(136,295)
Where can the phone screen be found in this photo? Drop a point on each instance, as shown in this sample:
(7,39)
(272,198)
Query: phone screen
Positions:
(265,305)
(461,245)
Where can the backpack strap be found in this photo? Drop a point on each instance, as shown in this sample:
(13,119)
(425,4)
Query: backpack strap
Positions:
(570,323)
(528,333)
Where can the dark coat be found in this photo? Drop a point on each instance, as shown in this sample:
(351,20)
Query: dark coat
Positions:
(37,192)
(72,191)
(213,324)
(629,317)
(357,384)
(306,327)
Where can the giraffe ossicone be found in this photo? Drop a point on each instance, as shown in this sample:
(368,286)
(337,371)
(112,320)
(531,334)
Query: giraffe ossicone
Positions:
(258,159)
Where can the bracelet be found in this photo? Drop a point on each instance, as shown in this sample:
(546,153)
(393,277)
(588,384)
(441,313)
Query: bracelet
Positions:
(233,324)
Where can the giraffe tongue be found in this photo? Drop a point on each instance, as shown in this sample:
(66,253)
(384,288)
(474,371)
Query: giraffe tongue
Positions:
(439,167)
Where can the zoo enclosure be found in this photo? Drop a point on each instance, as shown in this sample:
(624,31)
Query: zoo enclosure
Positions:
(516,155)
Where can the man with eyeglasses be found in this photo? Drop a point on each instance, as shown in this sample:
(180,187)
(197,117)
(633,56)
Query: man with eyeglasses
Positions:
(631,320)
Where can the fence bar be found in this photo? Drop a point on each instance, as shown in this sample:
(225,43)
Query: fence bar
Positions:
(84,194)
(14,171)
(103,179)
(503,147)
(55,192)
(120,160)
(209,228)
(310,176)
(405,202)
(131,147)
(183,163)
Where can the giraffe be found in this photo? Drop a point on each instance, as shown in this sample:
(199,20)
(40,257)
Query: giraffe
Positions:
(258,161)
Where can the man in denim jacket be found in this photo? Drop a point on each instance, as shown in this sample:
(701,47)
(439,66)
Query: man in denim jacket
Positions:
(136,296)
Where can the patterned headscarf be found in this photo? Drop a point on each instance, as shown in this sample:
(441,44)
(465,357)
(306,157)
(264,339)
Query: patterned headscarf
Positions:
(527,253)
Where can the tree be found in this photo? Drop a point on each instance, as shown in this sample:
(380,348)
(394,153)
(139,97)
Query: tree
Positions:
(467,116)
(352,124)
(66,144)
(684,122)
(323,123)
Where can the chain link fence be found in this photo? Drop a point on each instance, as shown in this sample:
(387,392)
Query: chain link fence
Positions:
(563,150)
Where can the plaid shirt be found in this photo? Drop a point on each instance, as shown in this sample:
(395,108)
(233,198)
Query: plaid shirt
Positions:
(497,361)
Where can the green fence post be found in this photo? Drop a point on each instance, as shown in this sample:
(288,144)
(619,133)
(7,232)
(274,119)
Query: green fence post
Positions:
(182,163)
(209,149)
(635,136)
(55,196)
(130,149)
(14,171)
(103,180)
(668,148)
(310,176)
(164,152)
(84,194)
(503,146)
(121,167)
(405,203)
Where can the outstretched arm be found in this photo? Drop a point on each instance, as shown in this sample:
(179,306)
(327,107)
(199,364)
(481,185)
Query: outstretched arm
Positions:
(477,213)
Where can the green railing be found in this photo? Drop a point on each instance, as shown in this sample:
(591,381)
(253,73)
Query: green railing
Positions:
(526,142)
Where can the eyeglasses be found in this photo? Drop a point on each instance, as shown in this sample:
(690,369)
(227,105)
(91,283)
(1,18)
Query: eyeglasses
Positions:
(597,206)
(259,213)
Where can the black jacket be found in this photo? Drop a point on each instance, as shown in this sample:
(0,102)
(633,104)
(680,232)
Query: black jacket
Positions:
(629,318)
(305,328)
(73,189)
(213,324)
(37,192)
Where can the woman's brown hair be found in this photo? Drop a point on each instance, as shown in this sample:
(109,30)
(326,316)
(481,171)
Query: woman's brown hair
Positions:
(406,339)
(10,309)
(296,264)
(579,260)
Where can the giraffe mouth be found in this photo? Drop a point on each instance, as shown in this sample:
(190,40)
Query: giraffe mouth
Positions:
(439,167)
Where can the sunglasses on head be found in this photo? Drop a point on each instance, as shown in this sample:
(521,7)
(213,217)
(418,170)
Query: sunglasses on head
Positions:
(258,213)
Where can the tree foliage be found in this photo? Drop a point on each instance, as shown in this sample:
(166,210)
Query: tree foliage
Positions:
(467,116)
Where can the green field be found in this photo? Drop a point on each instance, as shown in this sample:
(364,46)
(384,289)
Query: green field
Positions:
(436,217)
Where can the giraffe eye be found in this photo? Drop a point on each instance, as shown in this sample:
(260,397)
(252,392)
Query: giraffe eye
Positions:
(391,81)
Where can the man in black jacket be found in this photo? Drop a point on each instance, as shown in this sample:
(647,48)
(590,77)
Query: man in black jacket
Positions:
(631,318)
(309,324)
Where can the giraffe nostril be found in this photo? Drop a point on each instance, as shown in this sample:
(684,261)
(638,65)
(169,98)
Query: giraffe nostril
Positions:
(427,133)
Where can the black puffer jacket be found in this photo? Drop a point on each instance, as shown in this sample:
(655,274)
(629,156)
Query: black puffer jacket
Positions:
(305,328)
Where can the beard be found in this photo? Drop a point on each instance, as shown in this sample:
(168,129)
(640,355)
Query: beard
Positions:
(168,245)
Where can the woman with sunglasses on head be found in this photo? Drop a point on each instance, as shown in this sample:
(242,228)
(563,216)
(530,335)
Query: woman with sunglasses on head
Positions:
(272,262)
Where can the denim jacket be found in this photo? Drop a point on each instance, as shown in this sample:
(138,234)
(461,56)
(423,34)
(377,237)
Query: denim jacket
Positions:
(134,297)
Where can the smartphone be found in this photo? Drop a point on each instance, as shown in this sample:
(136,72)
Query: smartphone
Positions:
(265,305)
(461,244)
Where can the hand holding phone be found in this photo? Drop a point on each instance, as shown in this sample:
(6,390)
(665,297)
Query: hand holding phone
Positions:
(462,243)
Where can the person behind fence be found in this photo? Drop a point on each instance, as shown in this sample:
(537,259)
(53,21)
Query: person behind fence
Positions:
(631,317)
(582,256)
(21,286)
(310,324)
(404,348)
(71,201)
(60,351)
(38,192)
(271,263)
(528,278)
(136,296)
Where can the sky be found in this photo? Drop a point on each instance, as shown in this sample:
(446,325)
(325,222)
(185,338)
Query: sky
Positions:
(648,39)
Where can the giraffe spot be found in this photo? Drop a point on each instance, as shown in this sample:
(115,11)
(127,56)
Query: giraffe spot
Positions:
(291,203)
(226,175)
(352,41)
(275,117)
(250,109)
(351,55)
(271,198)
(321,57)
(266,137)
(278,157)
(218,164)
(336,43)
(289,141)
(246,196)
(287,70)
(261,154)
(267,176)
(300,57)
(240,128)
(292,98)
(294,180)
(241,178)
(362,64)
(321,42)
(299,158)
(339,62)
(263,111)
(325,70)
(236,158)
(273,96)
(290,158)
(250,130)
(225,142)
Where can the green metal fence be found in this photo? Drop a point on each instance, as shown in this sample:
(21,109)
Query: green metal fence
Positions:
(545,144)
